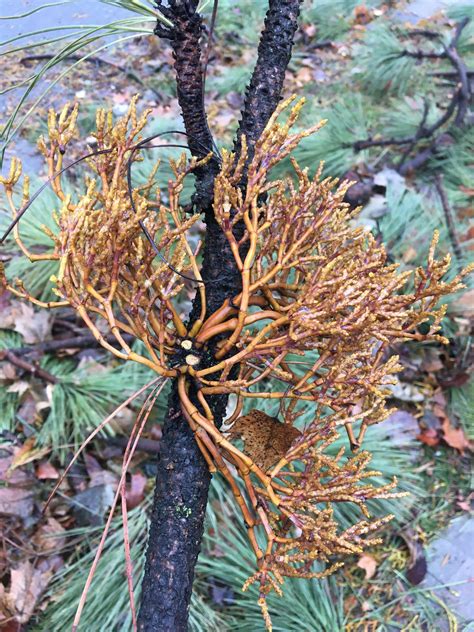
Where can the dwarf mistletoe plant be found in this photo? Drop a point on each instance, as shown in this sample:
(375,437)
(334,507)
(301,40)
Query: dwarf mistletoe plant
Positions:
(313,325)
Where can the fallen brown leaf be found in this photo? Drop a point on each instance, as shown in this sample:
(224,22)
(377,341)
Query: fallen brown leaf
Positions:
(266,439)
(465,505)
(304,76)
(10,625)
(439,398)
(44,470)
(28,453)
(368,564)
(27,411)
(19,387)
(455,437)
(48,537)
(136,490)
(7,372)
(98,475)
(33,326)
(17,502)
(429,437)
(16,490)
(457,379)
(27,583)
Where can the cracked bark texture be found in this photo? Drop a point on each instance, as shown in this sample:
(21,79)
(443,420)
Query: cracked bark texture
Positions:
(182,481)
(176,527)
(274,54)
(185,37)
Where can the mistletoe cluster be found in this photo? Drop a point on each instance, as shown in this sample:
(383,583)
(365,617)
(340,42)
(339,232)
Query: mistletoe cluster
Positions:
(312,327)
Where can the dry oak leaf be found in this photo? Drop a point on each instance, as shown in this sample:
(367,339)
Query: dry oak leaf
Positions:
(28,453)
(467,504)
(49,536)
(265,438)
(16,489)
(455,437)
(27,583)
(7,372)
(33,326)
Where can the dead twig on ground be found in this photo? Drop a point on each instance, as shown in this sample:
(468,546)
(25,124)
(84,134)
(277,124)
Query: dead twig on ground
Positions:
(457,107)
(94,60)
(450,221)
(77,342)
(29,367)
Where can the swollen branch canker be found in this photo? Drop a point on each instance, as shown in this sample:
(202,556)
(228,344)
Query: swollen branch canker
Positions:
(313,287)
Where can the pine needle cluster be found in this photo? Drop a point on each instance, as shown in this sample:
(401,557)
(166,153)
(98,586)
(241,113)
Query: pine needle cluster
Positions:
(314,287)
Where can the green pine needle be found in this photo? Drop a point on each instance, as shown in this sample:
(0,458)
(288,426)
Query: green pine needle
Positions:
(83,398)
(348,122)
(386,70)
(107,606)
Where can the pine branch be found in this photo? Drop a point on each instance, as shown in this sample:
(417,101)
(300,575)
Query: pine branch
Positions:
(450,221)
(94,59)
(76,342)
(183,477)
(176,527)
(450,74)
(457,106)
(418,134)
(458,64)
(150,446)
(274,53)
(34,369)
(422,54)
(185,38)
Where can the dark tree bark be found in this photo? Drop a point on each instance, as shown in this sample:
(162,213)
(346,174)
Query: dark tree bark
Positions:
(177,522)
(185,37)
(274,53)
(183,479)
